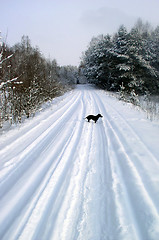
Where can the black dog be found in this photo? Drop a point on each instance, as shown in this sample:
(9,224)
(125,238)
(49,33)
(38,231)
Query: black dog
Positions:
(94,118)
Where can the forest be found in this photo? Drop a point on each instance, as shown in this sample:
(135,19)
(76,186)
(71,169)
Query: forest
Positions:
(127,61)
(28,79)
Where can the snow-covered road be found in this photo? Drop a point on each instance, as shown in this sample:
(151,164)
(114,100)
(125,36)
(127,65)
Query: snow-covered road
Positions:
(62,178)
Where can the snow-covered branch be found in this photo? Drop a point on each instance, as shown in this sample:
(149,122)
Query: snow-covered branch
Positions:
(5,59)
(3,84)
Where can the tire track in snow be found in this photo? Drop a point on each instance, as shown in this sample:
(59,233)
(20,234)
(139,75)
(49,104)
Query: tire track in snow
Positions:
(136,159)
(92,224)
(114,208)
(41,143)
(83,228)
(44,171)
(126,171)
(35,121)
(40,200)
(72,213)
(134,134)
(59,182)
(71,208)
(31,132)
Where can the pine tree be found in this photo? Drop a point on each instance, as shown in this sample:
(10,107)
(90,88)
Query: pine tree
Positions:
(131,58)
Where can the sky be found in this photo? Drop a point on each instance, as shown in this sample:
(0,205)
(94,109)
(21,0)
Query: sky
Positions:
(62,29)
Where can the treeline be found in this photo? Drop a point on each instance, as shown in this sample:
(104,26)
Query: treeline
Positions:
(27,80)
(126,61)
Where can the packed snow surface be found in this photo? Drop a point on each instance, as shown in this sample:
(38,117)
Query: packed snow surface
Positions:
(63,178)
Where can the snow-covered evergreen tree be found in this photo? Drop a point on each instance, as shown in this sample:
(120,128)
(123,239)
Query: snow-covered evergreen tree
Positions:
(130,58)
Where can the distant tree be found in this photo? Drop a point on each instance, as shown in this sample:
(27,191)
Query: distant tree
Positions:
(68,74)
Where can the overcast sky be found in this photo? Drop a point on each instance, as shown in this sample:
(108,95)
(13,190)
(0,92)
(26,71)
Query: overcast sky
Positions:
(62,29)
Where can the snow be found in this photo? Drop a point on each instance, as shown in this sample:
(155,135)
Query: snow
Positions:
(9,81)
(5,58)
(66,179)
